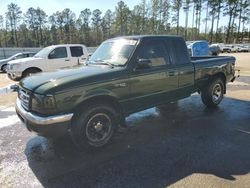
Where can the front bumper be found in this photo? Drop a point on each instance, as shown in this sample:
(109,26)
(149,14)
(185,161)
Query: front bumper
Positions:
(50,126)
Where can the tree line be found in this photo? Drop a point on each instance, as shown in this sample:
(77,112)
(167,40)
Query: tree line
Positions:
(34,28)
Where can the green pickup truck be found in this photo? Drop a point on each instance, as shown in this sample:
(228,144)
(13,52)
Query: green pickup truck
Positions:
(123,76)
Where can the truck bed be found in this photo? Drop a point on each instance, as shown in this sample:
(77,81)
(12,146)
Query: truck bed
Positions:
(198,59)
(210,65)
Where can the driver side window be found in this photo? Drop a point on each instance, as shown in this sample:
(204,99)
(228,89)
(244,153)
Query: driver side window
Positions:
(19,57)
(57,53)
(156,52)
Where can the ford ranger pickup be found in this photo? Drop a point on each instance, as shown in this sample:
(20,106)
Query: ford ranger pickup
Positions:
(123,76)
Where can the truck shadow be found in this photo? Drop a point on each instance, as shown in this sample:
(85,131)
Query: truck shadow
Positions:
(156,150)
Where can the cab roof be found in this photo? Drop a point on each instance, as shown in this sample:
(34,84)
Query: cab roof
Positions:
(146,36)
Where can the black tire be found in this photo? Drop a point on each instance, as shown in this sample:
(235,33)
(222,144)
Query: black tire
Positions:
(4,67)
(213,93)
(29,72)
(94,126)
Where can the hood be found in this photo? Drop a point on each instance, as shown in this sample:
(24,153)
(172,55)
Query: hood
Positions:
(24,60)
(51,82)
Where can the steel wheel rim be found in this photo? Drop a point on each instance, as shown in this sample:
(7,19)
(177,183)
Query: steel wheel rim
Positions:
(217,93)
(98,128)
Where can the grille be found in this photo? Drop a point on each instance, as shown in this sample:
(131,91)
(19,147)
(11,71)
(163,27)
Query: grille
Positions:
(24,98)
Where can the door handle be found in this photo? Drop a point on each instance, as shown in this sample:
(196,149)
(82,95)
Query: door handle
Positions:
(66,59)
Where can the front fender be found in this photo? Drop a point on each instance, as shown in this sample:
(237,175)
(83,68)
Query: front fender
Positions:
(67,102)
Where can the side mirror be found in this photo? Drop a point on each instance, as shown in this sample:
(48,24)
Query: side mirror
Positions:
(143,63)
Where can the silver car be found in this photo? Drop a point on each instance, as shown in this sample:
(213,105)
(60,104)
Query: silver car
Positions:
(3,62)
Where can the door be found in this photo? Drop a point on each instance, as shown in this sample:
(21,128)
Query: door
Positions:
(151,85)
(58,58)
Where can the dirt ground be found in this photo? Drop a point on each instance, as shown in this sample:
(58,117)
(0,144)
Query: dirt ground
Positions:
(242,62)
(6,99)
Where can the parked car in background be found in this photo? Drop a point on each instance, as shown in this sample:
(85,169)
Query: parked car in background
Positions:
(229,48)
(242,48)
(3,62)
(214,50)
(48,59)
(198,48)
(220,45)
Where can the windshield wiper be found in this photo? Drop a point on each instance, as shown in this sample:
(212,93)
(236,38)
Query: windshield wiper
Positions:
(102,62)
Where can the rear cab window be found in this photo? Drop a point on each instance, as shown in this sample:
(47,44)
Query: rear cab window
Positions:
(179,52)
(76,51)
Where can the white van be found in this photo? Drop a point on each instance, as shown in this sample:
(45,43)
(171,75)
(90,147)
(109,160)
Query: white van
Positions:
(48,59)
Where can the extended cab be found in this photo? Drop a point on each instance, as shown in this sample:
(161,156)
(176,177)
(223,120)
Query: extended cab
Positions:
(123,76)
(48,59)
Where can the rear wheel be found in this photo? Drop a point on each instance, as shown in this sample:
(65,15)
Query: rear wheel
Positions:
(213,93)
(94,126)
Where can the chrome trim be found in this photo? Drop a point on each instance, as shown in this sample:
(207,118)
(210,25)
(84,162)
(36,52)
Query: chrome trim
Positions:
(41,120)
(24,98)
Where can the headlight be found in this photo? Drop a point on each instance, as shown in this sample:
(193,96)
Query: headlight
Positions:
(15,66)
(49,102)
(37,103)
(43,104)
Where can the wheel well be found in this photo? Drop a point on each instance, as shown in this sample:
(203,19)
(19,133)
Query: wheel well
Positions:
(102,99)
(220,75)
(32,68)
(3,66)
(211,78)
(223,77)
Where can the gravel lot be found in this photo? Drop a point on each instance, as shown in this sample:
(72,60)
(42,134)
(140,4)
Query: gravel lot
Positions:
(191,146)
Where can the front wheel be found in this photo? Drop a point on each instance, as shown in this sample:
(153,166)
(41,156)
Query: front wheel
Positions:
(4,68)
(94,126)
(213,93)
(14,78)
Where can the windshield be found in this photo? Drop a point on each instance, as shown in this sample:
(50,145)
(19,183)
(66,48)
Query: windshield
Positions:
(115,52)
(44,52)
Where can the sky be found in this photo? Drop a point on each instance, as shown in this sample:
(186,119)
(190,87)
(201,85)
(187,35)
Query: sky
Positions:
(51,6)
